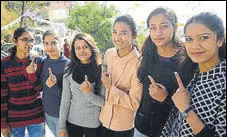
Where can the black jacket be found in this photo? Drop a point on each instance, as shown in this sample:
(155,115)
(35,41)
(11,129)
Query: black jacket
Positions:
(152,115)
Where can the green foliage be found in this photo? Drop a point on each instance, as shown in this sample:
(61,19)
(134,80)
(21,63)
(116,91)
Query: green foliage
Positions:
(7,16)
(11,10)
(142,33)
(95,19)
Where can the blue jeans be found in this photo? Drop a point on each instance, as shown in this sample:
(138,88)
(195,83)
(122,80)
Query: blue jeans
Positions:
(138,134)
(52,123)
(36,130)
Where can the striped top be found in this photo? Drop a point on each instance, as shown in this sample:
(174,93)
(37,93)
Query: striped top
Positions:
(20,93)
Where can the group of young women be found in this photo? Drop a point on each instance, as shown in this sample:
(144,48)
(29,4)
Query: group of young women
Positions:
(168,89)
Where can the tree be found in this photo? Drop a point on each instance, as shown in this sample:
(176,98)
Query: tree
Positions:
(22,6)
(96,19)
(142,33)
(12,10)
(7,16)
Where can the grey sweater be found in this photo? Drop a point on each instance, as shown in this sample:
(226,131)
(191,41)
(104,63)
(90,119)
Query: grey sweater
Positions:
(79,108)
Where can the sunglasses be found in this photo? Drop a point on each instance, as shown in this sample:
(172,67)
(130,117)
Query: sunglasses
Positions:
(26,40)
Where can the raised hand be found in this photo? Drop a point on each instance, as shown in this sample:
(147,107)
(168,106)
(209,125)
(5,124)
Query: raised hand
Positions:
(6,132)
(157,91)
(51,80)
(86,86)
(181,98)
(106,79)
(32,67)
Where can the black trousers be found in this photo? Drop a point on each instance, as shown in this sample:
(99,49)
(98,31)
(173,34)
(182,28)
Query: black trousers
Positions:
(110,133)
(77,131)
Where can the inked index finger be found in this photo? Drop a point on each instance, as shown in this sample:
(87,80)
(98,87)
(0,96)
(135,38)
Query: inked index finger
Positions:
(151,79)
(102,70)
(50,71)
(33,61)
(85,78)
(179,81)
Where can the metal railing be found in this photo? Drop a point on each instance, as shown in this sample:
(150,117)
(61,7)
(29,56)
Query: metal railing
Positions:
(3,54)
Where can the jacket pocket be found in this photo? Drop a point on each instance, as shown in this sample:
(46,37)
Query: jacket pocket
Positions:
(142,122)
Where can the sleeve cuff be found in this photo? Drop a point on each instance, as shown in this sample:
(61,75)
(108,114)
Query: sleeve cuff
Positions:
(205,132)
(4,125)
(61,124)
(32,77)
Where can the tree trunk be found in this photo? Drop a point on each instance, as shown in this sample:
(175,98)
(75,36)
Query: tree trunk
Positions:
(22,13)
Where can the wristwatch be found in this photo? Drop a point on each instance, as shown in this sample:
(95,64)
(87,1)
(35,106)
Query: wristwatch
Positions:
(185,113)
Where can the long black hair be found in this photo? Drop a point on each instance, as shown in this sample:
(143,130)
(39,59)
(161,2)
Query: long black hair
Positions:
(149,50)
(17,33)
(215,24)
